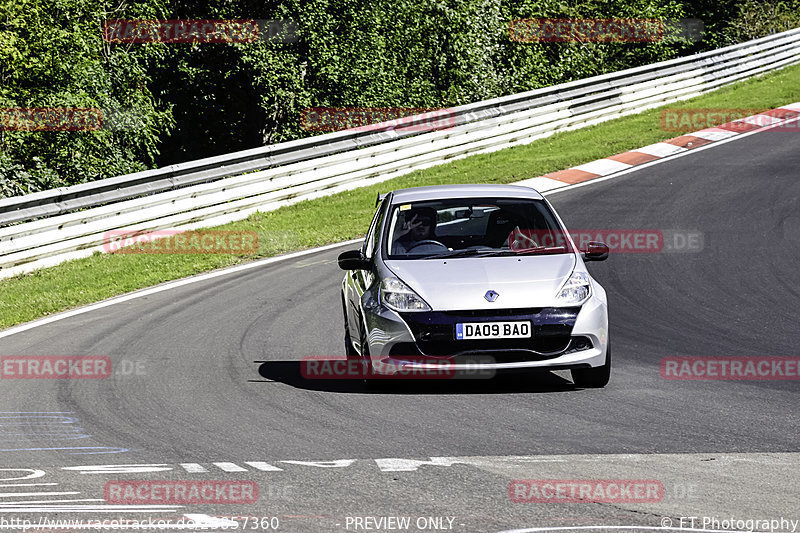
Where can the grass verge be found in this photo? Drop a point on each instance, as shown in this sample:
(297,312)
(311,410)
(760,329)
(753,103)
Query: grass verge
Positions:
(346,215)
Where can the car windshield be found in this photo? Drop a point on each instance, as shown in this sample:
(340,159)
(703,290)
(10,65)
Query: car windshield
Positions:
(473,227)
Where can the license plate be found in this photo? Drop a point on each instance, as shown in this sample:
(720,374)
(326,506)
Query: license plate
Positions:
(493,330)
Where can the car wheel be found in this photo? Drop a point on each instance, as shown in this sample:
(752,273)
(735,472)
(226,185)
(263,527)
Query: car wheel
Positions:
(349,349)
(369,371)
(593,378)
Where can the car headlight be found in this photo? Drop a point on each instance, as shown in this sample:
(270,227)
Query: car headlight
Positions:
(575,290)
(398,296)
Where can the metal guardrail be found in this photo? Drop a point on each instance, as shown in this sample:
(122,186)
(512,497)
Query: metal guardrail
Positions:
(51,226)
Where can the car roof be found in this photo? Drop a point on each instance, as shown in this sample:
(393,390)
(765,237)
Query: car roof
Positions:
(435,192)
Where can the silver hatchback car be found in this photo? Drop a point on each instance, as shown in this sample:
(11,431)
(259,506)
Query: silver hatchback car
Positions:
(466,275)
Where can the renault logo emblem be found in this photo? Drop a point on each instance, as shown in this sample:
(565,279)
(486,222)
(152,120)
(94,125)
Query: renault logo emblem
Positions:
(491,296)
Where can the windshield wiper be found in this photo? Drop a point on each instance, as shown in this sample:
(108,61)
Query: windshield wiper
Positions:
(478,252)
(465,252)
(539,250)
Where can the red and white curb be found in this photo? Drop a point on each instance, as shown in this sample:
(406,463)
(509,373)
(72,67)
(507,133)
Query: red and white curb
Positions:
(627,160)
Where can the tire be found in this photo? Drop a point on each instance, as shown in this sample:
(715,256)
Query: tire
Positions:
(370,381)
(349,350)
(593,378)
(352,354)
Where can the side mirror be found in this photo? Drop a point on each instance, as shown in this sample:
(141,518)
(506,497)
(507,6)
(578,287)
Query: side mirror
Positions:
(596,251)
(353,260)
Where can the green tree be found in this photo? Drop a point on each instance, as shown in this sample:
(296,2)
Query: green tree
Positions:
(169,103)
(52,54)
(754,19)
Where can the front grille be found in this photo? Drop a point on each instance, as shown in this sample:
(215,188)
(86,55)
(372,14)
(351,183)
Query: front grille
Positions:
(435,333)
(494,313)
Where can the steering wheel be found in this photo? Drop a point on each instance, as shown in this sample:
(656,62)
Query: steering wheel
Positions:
(427,241)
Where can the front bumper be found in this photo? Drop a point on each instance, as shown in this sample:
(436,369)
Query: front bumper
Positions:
(567,337)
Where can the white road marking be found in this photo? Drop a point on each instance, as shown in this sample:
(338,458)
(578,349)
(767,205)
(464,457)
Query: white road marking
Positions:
(264,467)
(661,149)
(193,468)
(197,468)
(713,134)
(100,450)
(230,467)
(541,183)
(26,484)
(12,494)
(602,167)
(638,528)
(399,464)
(411,465)
(26,502)
(34,473)
(46,425)
(119,469)
(339,463)
(88,509)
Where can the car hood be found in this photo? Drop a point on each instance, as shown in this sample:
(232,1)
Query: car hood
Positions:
(462,283)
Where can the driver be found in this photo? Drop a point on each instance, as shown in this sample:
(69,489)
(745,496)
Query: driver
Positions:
(418,226)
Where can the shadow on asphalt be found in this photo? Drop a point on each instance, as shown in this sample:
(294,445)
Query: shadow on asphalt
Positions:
(288,372)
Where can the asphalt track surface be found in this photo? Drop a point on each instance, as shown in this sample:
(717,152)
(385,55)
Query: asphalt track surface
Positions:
(207,376)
